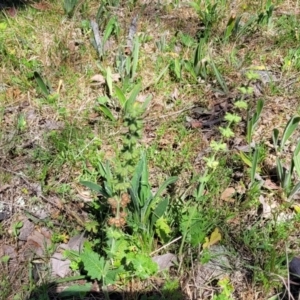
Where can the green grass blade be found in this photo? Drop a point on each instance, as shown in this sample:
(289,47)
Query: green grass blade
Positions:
(109,29)
(169,181)
(159,210)
(296,160)
(294,191)
(106,111)
(41,84)
(289,129)
(219,77)
(109,80)
(275,136)
(254,164)
(259,107)
(94,187)
(297,150)
(279,169)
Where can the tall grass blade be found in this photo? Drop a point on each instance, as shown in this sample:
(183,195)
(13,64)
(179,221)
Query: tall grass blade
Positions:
(219,77)
(41,84)
(109,80)
(254,165)
(289,129)
(275,137)
(120,95)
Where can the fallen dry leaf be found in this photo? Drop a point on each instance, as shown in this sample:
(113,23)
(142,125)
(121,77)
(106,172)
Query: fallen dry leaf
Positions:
(227,194)
(59,265)
(101,79)
(26,230)
(270,185)
(165,261)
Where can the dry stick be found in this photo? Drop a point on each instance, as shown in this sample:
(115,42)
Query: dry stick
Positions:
(285,285)
(97,37)
(45,199)
(166,245)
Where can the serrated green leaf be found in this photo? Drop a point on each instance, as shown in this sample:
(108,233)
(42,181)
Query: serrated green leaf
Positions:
(93,264)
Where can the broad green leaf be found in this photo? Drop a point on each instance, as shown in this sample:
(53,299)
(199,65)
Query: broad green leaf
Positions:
(43,87)
(102,100)
(93,186)
(161,75)
(146,102)
(144,183)
(132,98)
(159,210)
(245,159)
(76,290)
(296,159)
(120,95)
(254,164)
(177,68)
(297,150)
(169,181)
(219,77)
(146,210)
(109,29)
(229,27)
(275,136)
(259,107)
(93,264)
(109,80)
(190,69)
(294,191)
(279,169)
(289,129)
(107,112)
(100,12)
(287,174)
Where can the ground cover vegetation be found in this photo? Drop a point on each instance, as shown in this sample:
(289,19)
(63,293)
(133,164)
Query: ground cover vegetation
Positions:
(149,149)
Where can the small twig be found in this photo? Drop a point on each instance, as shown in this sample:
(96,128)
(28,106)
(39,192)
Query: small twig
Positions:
(285,285)
(166,245)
